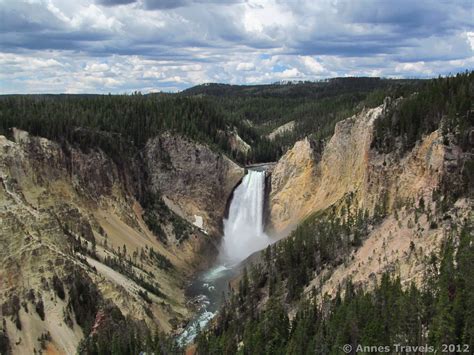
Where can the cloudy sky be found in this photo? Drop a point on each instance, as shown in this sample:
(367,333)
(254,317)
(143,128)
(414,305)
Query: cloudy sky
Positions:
(117,46)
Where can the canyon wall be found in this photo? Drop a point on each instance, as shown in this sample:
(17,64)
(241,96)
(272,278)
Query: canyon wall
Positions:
(407,189)
(72,227)
(308,179)
(195,181)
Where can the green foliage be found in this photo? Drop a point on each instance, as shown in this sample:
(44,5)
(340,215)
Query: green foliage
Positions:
(440,312)
(120,125)
(444,102)
(144,295)
(181,228)
(39,307)
(44,339)
(135,118)
(106,329)
(160,260)
(125,267)
(58,287)
(320,241)
(314,106)
(83,300)
(4,342)
(11,308)
(156,213)
(153,223)
(116,334)
(468,175)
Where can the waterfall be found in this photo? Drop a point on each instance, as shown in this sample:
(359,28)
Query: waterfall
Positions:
(243,235)
(243,230)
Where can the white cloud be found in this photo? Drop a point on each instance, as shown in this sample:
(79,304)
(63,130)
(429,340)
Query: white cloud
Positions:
(312,65)
(82,46)
(470,39)
(245,66)
(96,67)
(410,67)
(292,73)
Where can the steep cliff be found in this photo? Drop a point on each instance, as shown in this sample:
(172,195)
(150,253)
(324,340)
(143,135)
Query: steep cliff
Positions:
(308,179)
(405,192)
(279,131)
(77,238)
(195,181)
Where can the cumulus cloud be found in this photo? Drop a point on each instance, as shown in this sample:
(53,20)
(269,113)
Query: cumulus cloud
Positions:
(127,45)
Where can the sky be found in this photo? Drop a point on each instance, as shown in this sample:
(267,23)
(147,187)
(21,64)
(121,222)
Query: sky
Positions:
(121,46)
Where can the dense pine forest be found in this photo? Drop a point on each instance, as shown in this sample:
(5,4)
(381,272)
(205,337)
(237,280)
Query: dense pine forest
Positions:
(118,123)
(446,102)
(207,113)
(440,312)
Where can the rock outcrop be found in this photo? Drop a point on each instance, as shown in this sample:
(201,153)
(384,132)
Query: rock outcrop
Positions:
(404,192)
(281,130)
(195,181)
(306,180)
(237,144)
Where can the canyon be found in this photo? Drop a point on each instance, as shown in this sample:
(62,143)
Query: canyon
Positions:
(133,233)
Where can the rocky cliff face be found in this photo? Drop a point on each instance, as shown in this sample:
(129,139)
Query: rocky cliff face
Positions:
(195,181)
(72,228)
(307,180)
(287,127)
(349,175)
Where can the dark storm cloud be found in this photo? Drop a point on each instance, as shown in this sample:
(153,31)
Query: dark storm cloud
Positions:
(23,17)
(35,27)
(396,27)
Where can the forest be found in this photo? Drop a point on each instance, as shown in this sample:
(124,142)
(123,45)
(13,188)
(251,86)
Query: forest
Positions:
(437,312)
(121,124)
(208,113)
(443,102)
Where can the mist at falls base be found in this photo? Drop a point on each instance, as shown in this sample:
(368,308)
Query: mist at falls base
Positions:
(243,235)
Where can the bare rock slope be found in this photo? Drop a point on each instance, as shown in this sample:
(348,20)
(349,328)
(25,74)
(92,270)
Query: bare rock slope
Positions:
(72,228)
(194,180)
(306,179)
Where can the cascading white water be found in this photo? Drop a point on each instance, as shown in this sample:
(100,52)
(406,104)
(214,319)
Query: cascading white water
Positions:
(243,230)
(243,235)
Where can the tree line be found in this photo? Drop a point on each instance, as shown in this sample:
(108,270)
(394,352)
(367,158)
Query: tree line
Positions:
(124,123)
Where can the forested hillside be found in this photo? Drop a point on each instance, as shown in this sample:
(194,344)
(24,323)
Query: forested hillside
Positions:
(391,313)
(206,114)
(445,103)
(315,107)
(110,122)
